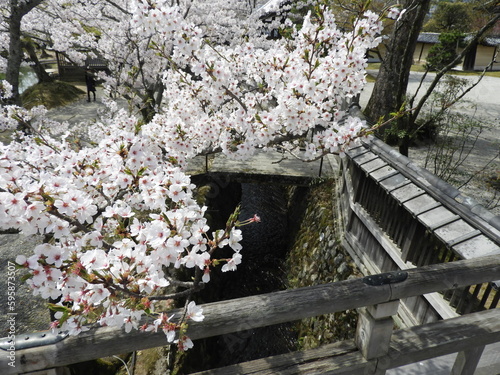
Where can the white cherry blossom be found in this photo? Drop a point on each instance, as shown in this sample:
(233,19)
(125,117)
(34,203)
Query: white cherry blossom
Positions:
(117,208)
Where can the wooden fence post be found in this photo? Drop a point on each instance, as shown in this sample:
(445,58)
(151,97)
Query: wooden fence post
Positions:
(467,361)
(374,330)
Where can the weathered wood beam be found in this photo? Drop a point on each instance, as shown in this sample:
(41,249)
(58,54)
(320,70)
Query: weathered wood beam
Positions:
(444,337)
(408,345)
(342,357)
(258,311)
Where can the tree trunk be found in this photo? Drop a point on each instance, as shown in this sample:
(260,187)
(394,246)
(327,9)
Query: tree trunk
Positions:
(390,88)
(18,9)
(15,52)
(41,74)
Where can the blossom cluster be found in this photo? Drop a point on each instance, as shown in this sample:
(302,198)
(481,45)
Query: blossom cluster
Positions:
(116,215)
(118,211)
(5,89)
(241,98)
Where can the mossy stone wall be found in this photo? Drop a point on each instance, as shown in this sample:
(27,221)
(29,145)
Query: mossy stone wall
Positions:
(316,257)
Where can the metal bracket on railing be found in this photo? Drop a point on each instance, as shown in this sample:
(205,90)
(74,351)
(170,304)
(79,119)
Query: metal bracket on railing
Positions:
(386,278)
(31,340)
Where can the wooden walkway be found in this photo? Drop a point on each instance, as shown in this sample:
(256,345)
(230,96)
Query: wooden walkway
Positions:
(264,166)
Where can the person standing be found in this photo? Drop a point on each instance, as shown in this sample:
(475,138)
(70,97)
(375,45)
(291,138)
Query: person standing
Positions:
(90,82)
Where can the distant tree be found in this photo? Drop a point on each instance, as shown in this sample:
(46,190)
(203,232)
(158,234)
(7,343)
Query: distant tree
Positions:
(482,11)
(389,94)
(444,52)
(451,16)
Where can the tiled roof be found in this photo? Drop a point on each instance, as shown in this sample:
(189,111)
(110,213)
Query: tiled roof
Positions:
(433,38)
(428,38)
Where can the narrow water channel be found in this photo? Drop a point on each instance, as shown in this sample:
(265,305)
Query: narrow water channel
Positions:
(27,78)
(262,271)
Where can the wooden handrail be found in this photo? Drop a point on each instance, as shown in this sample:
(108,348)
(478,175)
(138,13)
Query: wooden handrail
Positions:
(408,345)
(398,215)
(258,311)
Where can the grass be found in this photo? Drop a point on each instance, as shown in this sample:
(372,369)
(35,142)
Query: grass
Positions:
(51,94)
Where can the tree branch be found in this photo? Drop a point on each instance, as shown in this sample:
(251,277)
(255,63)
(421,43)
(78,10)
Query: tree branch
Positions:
(448,67)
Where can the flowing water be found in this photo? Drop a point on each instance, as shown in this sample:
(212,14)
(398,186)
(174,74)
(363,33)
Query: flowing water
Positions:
(27,78)
(262,271)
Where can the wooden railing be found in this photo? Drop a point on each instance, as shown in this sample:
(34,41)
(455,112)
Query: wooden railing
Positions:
(373,351)
(398,216)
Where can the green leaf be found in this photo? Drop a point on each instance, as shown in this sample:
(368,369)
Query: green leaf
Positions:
(54,307)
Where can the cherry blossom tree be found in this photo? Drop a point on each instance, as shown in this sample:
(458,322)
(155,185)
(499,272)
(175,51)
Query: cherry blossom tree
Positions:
(12,13)
(117,209)
(103,28)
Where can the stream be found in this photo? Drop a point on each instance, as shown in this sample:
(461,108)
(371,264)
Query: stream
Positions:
(262,271)
(27,78)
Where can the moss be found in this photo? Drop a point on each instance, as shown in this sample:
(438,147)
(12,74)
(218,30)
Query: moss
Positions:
(316,257)
(148,362)
(50,94)
(101,366)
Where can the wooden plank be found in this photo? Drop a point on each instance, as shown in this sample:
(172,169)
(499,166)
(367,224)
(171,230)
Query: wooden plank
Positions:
(464,237)
(419,204)
(342,358)
(427,208)
(262,166)
(444,337)
(450,232)
(408,345)
(384,173)
(357,151)
(438,217)
(407,192)
(394,182)
(467,361)
(364,157)
(476,247)
(373,165)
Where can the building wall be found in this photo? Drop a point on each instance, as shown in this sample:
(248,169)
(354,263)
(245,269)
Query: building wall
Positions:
(421,52)
(484,55)
(483,58)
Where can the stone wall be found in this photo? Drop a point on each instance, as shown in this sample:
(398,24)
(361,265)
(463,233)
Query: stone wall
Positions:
(316,257)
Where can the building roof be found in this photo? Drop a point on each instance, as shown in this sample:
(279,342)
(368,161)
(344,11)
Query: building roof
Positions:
(491,41)
(433,38)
